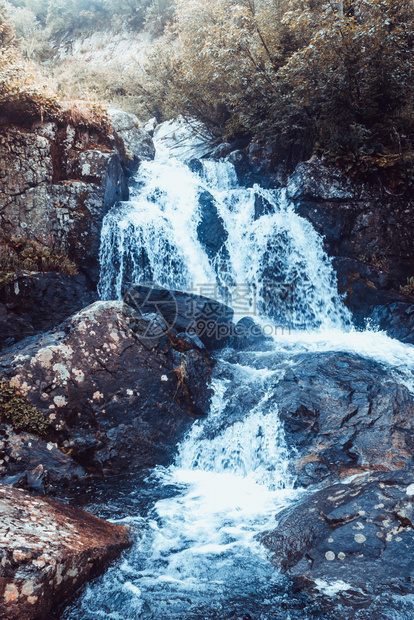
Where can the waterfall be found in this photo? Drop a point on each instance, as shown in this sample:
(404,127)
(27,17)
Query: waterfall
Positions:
(197,555)
(263,259)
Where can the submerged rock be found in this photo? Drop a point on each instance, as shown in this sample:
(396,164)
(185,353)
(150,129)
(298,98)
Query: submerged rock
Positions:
(48,550)
(355,540)
(117,389)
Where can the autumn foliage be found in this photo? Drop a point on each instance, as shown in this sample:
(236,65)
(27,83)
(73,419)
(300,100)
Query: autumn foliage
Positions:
(20,92)
(336,78)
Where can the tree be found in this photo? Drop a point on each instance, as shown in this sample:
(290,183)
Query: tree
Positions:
(301,74)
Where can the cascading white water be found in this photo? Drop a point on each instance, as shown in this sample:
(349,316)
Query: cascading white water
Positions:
(197,554)
(270,265)
(196,546)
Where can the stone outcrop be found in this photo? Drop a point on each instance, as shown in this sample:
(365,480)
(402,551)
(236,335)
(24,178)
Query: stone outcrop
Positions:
(30,462)
(36,302)
(135,142)
(354,539)
(209,319)
(367,230)
(48,550)
(210,229)
(56,184)
(117,388)
(344,414)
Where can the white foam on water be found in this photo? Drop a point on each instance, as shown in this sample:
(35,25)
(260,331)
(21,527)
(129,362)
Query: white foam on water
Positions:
(232,473)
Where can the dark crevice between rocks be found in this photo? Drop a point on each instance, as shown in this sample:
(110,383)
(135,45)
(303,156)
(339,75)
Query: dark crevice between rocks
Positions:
(350,415)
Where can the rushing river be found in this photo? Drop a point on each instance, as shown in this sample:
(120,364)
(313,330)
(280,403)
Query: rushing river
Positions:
(197,555)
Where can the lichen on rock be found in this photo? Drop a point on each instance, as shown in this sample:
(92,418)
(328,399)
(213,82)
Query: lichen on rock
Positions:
(48,550)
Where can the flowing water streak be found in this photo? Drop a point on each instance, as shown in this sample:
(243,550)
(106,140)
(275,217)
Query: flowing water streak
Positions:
(197,547)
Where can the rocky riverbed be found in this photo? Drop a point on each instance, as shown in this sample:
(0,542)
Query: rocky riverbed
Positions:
(293,438)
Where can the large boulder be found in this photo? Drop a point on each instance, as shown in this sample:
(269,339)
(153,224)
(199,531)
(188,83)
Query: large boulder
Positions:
(113,389)
(354,540)
(396,316)
(31,462)
(35,302)
(48,550)
(208,318)
(185,139)
(56,185)
(257,163)
(137,143)
(344,414)
(315,180)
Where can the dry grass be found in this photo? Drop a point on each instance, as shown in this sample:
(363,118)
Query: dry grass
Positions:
(23,255)
(408,289)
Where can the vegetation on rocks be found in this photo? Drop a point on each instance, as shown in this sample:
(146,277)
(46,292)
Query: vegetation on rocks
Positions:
(22,254)
(25,94)
(304,76)
(14,408)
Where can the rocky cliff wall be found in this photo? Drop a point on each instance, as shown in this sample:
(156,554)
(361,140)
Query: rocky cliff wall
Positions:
(56,184)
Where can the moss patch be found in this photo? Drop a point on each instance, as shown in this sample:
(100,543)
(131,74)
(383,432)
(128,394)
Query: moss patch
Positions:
(14,408)
(24,255)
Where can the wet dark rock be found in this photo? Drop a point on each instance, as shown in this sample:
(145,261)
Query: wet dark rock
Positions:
(315,180)
(358,535)
(209,319)
(48,551)
(247,334)
(195,166)
(210,229)
(257,163)
(119,389)
(37,302)
(266,168)
(367,230)
(396,318)
(33,463)
(344,414)
(261,206)
(363,287)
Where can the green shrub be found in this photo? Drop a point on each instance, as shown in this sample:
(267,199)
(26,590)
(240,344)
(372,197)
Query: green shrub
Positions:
(302,75)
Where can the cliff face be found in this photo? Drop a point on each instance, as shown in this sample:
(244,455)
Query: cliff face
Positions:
(56,184)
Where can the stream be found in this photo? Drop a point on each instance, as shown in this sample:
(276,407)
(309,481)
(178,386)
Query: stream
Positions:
(197,554)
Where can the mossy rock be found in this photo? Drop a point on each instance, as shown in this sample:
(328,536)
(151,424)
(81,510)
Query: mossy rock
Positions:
(16,409)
